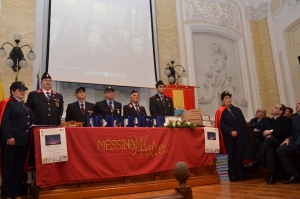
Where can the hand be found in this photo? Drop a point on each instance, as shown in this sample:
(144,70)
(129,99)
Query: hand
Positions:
(233,133)
(286,141)
(10,141)
(267,132)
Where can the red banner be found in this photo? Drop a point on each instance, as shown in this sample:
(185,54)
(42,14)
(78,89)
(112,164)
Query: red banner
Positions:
(98,153)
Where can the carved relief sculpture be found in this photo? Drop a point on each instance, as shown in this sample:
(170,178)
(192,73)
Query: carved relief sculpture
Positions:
(218,80)
(213,13)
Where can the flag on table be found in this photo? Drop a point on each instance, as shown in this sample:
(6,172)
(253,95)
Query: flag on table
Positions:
(183,96)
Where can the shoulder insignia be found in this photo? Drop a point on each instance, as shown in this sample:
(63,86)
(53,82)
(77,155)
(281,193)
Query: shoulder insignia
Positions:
(39,91)
(53,92)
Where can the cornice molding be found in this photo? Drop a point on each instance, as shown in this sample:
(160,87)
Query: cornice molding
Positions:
(212,13)
(257,14)
(289,3)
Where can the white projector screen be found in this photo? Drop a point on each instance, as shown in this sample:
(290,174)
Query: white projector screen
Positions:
(101,42)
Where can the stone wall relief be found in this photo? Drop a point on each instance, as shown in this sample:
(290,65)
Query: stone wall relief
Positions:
(218,80)
(213,13)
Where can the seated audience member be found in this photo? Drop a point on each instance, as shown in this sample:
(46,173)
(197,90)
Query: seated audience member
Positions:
(288,112)
(297,112)
(278,129)
(133,108)
(78,111)
(108,106)
(160,104)
(290,146)
(259,123)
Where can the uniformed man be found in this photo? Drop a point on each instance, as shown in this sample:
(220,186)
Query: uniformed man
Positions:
(161,104)
(46,104)
(77,111)
(133,108)
(108,106)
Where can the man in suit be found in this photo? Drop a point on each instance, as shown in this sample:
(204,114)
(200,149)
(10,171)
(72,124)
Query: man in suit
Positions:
(108,106)
(278,129)
(290,146)
(133,108)
(259,123)
(77,111)
(46,104)
(297,112)
(161,104)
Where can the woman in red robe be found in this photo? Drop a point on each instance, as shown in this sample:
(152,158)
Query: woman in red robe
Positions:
(234,135)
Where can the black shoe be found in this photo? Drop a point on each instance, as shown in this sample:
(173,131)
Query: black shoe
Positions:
(233,180)
(271,179)
(294,177)
(252,165)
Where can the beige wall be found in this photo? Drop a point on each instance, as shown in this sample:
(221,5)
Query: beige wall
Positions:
(16,17)
(268,88)
(167,34)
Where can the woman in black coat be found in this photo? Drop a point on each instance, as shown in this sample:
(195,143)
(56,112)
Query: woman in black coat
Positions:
(16,120)
(233,128)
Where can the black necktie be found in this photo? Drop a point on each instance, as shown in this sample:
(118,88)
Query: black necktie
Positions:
(162,99)
(48,95)
(110,106)
(137,109)
(22,102)
(82,109)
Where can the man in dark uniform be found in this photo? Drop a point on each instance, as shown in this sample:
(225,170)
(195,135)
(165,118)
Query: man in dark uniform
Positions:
(108,106)
(290,146)
(77,111)
(133,108)
(46,104)
(161,104)
(278,129)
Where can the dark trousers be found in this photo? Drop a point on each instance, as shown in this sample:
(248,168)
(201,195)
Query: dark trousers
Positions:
(235,165)
(13,158)
(267,150)
(284,152)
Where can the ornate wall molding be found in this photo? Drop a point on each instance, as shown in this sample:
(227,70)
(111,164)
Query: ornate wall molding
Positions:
(289,3)
(257,14)
(213,13)
(280,8)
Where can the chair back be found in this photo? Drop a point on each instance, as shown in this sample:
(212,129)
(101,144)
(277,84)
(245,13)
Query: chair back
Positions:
(71,123)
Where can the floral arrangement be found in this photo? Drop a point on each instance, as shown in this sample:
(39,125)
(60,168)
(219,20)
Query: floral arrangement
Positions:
(180,124)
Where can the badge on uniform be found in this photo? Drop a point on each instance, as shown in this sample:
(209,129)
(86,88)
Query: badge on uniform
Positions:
(56,102)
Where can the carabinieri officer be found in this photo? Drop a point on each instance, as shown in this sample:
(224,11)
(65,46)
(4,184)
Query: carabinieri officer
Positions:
(46,104)
(15,121)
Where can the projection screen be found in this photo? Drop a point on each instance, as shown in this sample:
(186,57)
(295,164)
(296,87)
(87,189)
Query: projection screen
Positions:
(102,42)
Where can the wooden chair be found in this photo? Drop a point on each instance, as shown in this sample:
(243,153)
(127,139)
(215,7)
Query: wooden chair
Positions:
(71,123)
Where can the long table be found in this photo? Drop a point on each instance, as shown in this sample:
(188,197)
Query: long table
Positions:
(98,154)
